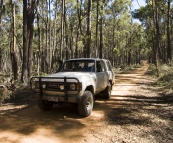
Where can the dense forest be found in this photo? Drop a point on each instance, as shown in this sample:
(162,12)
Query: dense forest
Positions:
(36,34)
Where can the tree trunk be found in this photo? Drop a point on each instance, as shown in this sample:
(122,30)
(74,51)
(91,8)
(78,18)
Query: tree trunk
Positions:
(66,49)
(97,24)
(101,33)
(50,41)
(24,76)
(62,30)
(54,37)
(101,38)
(28,19)
(88,46)
(1,11)
(39,45)
(30,30)
(129,58)
(14,49)
(79,27)
(47,45)
(155,36)
(169,51)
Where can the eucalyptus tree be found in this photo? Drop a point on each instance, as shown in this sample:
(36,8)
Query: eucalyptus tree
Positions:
(43,38)
(169,49)
(88,33)
(79,30)
(118,27)
(55,54)
(39,39)
(73,31)
(137,45)
(122,35)
(101,29)
(2,8)
(14,53)
(97,23)
(10,39)
(62,27)
(155,16)
(28,19)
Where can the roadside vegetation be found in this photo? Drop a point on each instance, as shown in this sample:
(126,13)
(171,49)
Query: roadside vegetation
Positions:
(126,68)
(12,90)
(164,80)
(165,77)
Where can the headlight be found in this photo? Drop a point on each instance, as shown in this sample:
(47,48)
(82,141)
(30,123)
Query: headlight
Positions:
(61,87)
(44,86)
(72,86)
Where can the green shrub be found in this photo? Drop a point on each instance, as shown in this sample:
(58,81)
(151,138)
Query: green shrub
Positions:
(165,76)
(4,92)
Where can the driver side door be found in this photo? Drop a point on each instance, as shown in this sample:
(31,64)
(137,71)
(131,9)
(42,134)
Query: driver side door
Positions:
(99,77)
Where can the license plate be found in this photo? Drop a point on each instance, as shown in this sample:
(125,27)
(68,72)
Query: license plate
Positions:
(55,99)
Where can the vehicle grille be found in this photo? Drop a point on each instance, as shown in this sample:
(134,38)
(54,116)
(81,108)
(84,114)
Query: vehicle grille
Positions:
(53,85)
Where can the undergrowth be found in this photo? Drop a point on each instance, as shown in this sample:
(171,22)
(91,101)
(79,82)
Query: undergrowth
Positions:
(165,77)
(124,69)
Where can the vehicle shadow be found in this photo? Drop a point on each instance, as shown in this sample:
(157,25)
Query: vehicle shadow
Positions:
(61,121)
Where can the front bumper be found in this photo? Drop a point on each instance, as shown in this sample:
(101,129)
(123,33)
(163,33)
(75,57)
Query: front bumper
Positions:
(70,98)
(55,94)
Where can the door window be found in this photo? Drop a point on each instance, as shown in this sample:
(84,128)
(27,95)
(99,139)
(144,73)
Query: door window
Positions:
(98,66)
(103,66)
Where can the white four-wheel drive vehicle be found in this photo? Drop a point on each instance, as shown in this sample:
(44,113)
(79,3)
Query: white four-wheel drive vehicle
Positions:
(78,82)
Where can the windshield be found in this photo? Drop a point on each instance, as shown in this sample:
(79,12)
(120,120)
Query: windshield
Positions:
(79,65)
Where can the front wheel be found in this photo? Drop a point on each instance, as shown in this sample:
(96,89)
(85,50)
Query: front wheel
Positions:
(107,91)
(85,105)
(45,105)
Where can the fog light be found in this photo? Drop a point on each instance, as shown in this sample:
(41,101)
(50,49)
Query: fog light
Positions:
(61,87)
(72,86)
(43,86)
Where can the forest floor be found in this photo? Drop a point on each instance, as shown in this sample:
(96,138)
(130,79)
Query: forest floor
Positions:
(139,111)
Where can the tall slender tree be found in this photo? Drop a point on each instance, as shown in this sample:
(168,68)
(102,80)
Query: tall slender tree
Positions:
(2,9)
(169,50)
(62,29)
(14,58)
(39,41)
(28,19)
(101,32)
(88,45)
(24,76)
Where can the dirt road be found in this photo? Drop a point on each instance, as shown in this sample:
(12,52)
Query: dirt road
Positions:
(136,113)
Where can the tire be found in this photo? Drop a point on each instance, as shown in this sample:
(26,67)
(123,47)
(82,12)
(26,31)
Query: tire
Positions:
(85,105)
(107,91)
(45,105)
